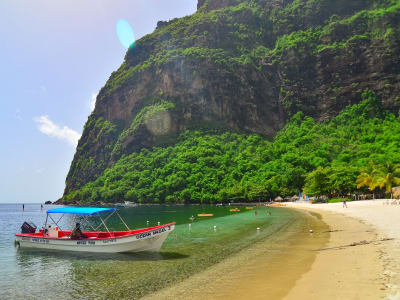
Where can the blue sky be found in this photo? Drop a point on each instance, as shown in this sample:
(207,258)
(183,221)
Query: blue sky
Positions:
(55,55)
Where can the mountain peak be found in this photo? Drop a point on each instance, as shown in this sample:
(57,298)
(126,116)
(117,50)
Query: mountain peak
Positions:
(247,68)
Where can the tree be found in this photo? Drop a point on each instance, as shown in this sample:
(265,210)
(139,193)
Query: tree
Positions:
(342,179)
(317,182)
(366,177)
(386,175)
(256,192)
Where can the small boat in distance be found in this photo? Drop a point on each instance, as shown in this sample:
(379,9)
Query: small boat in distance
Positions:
(235,209)
(54,238)
(205,215)
(126,204)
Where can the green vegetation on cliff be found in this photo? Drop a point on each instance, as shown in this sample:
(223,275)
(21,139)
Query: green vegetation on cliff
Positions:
(305,27)
(250,66)
(210,166)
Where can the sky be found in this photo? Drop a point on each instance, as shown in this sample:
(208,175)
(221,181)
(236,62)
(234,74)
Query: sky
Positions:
(55,55)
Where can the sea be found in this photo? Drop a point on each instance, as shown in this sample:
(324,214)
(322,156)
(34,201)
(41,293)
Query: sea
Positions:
(192,247)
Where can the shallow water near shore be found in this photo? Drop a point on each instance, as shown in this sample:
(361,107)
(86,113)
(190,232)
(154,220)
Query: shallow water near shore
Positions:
(267,269)
(41,274)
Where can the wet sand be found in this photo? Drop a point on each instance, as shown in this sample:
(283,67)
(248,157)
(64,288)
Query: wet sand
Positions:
(342,271)
(382,219)
(334,262)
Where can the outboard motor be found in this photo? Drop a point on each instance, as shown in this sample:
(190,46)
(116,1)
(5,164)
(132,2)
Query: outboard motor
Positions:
(28,227)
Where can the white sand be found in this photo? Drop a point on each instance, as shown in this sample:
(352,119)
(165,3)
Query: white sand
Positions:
(385,219)
(338,271)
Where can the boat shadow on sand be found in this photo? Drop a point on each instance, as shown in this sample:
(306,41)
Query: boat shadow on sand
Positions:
(26,255)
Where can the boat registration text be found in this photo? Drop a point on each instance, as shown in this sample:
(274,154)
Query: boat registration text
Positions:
(155,232)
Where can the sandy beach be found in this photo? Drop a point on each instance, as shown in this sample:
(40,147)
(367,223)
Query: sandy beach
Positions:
(354,256)
(364,271)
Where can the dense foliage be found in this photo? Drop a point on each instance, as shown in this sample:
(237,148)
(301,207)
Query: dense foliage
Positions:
(211,166)
(250,64)
(254,32)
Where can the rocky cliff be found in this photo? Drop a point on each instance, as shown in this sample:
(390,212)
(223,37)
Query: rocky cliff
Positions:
(243,65)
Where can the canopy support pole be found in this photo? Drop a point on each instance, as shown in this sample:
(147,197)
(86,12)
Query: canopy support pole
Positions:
(87,221)
(105,225)
(56,223)
(105,220)
(123,221)
(73,221)
(60,220)
(45,223)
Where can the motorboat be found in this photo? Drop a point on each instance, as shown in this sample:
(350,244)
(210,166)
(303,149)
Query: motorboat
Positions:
(52,237)
(126,204)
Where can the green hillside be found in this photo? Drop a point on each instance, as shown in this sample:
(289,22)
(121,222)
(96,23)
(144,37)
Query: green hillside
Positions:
(244,100)
(211,166)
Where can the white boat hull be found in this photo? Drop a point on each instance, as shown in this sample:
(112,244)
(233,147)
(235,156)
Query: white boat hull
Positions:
(151,241)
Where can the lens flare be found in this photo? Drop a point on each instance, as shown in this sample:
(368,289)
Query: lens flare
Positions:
(125,33)
(159,123)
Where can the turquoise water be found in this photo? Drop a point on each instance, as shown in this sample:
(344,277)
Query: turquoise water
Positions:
(37,274)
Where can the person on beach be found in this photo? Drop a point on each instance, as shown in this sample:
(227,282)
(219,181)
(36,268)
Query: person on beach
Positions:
(77,233)
(23,207)
(344,203)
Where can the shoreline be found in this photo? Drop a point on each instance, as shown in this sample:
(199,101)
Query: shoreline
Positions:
(269,267)
(383,251)
(353,263)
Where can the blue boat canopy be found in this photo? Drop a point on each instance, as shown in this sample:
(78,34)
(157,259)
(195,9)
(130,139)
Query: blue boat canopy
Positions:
(79,210)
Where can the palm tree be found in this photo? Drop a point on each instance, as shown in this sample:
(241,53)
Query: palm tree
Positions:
(366,178)
(386,175)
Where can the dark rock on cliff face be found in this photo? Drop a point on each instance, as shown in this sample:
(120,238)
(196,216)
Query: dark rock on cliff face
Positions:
(243,65)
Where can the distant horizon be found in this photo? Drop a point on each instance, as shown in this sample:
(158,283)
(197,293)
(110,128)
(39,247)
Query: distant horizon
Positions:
(26,203)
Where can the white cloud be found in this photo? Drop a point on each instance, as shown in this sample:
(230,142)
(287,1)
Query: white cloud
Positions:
(46,126)
(92,103)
